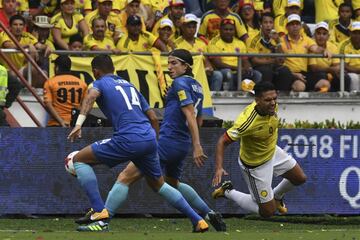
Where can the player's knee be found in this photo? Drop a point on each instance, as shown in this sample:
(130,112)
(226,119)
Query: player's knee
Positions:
(267,212)
(301,179)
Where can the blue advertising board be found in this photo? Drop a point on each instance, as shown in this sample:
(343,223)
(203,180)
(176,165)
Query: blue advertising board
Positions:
(33,179)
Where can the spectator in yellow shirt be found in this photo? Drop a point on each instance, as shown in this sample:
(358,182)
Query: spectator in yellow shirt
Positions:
(279,7)
(26,40)
(132,8)
(267,41)
(97,41)
(210,21)
(113,22)
(339,28)
(67,23)
(176,13)
(326,10)
(352,46)
(226,67)
(327,70)
(165,32)
(137,40)
(193,44)
(293,7)
(250,18)
(76,43)
(297,43)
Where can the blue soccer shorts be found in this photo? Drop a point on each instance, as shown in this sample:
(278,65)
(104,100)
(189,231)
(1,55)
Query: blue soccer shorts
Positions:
(172,156)
(143,154)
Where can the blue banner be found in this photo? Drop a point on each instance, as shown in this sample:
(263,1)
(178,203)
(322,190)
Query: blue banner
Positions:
(33,179)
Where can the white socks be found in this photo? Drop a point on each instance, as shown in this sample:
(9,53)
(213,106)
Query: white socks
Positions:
(245,201)
(283,187)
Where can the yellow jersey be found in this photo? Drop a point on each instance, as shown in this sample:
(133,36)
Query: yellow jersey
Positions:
(302,46)
(113,23)
(117,4)
(157,5)
(279,6)
(256,44)
(144,43)
(18,59)
(252,31)
(123,18)
(90,42)
(326,10)
(280,25)
(210,24)
(325,62)
(257,134)
(67,31)
(338,32)
(217,45)
(175,30)
(346,47)
(198,46)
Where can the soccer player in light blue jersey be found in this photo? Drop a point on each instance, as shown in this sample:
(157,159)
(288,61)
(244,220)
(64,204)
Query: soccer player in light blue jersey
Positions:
(133,139)
(178,131)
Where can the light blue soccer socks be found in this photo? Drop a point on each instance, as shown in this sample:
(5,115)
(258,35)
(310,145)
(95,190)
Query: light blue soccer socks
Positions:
(116,197)
(87,179)
(193,198)
(175,198)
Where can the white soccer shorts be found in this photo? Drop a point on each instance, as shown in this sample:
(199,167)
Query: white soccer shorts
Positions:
(259,179)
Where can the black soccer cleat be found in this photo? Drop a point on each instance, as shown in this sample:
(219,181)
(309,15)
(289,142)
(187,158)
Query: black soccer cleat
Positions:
(216,220)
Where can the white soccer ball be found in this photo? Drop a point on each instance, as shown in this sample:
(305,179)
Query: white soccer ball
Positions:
(69,165)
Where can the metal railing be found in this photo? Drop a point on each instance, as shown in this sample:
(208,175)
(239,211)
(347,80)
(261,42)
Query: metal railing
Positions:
(238,55)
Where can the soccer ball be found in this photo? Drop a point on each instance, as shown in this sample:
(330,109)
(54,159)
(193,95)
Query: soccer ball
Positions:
(69,165)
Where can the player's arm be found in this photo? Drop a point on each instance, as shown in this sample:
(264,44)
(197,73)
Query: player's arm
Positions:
(198,154)
(153,120)
(86,106)
(54,113)
(222,143)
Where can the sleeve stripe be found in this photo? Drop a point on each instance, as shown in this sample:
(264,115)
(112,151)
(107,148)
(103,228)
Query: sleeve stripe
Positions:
(248,122)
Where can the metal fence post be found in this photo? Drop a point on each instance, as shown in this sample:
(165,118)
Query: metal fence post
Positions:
(342,74)
(239,74)
(29,74)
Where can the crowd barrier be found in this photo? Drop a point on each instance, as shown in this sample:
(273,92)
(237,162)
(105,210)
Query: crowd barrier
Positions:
(33,179)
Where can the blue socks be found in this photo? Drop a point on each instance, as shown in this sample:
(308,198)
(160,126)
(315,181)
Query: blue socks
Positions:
(193,198)
(175,198)
(87,179)
(116,197)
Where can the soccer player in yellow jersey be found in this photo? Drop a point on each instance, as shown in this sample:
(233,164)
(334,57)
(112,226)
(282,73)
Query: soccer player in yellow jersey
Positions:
(210,21)
(113,22)
(339,28)
(260,158)
(97,41)
(352,46)
(136,40)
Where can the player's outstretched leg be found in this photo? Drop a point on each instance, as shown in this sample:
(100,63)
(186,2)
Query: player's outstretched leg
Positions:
(115,199)
(244,200)
(175,198)
(196,202)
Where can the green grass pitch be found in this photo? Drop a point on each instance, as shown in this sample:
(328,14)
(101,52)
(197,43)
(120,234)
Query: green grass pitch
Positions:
(247,228)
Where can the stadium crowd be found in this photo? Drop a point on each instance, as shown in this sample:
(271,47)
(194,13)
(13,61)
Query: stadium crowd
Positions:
(243,26)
